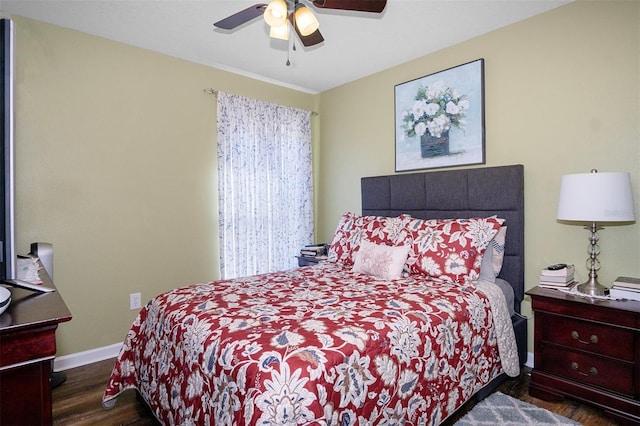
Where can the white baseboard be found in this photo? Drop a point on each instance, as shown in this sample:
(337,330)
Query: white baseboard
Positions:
(529,362)
(79,359)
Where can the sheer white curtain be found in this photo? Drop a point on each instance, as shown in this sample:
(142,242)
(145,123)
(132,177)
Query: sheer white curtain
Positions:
(265,192)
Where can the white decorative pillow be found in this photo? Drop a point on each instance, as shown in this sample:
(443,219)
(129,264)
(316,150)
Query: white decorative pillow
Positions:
(494,256)
(380,260)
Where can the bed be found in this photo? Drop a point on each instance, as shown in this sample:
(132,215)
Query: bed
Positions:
(402,324)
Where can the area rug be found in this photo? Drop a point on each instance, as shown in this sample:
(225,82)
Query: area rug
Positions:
(501,409)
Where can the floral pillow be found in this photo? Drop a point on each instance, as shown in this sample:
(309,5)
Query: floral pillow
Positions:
(450,249)
(352,229)
(493,257)
(380,260)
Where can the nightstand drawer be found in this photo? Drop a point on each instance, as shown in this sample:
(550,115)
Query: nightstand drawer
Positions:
(612,341)
(589,369)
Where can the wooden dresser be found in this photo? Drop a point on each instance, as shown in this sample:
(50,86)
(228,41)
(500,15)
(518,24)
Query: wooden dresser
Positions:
(588,350)
(27,351)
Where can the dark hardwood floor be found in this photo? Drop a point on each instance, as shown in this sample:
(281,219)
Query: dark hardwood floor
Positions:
(79,401)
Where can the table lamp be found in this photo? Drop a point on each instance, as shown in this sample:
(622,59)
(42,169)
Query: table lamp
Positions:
(595,197)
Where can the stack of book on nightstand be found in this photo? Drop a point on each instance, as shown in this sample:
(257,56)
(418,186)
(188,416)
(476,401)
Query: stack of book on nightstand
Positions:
(314,250)
(557,276)
(625,288)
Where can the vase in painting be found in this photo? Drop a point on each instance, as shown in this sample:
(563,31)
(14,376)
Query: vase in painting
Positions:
(431,146)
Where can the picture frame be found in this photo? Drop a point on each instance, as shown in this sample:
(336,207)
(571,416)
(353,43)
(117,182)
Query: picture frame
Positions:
(439,119)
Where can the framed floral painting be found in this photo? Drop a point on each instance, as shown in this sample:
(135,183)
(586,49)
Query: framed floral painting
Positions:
(439,119)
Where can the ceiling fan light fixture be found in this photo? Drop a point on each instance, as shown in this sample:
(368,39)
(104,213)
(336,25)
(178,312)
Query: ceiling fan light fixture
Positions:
(276,13)
(281,32)
(306,21)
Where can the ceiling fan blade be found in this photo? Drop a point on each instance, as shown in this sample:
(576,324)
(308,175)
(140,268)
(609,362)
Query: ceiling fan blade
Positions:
(376,6)
(312,39)
(237,19)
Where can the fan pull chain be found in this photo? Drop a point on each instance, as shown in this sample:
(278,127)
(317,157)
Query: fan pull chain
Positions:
(292,48)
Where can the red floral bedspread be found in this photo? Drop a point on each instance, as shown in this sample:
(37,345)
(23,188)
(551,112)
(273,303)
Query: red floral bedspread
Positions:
(318,345)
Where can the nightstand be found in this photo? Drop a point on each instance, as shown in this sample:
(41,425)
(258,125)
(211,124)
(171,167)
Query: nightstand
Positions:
(588,350)
(27,352)
(306,261)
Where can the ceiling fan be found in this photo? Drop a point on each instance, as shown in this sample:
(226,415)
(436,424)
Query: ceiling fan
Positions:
(280,13)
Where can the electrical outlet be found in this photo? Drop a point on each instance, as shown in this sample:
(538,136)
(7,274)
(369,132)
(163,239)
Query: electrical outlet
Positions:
(135,301)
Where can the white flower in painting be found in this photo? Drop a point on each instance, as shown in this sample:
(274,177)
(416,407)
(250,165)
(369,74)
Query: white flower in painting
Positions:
(420,129)
(436,108)
(419,108)
(432,108)
(436,90)
(438,125)
(452,108)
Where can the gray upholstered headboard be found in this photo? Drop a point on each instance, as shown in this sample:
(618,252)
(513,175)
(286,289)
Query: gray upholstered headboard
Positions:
(458,194)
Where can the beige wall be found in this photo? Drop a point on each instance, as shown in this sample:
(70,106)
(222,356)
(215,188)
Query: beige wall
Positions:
(116,166)
(561,96)
(116,149)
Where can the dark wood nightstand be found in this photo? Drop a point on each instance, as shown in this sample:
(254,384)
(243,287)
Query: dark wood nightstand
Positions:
(306,261)
(588,350)
(27,351)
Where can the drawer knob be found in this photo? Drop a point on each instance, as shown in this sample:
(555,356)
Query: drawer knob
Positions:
(592,339)
(592,371)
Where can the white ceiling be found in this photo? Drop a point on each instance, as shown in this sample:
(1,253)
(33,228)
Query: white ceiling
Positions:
(356,44)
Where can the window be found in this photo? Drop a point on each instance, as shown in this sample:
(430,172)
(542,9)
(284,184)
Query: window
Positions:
(265,193)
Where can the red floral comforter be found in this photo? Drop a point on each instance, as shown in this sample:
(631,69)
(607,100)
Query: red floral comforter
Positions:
(318,345)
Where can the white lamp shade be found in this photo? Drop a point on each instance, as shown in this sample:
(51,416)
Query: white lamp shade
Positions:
(281,32)
(306,21)
(276,13)
(596,197)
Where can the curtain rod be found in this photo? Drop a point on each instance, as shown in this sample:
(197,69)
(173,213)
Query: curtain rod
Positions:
(214,92)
